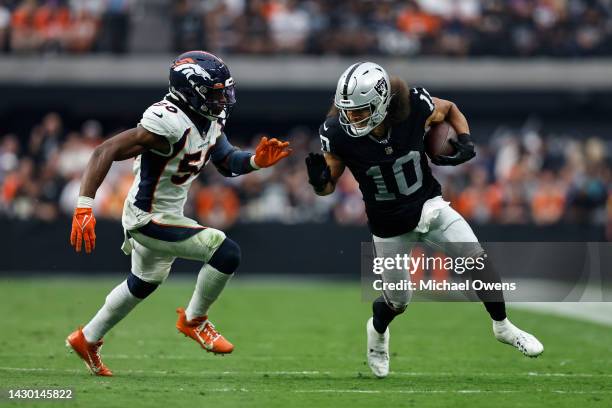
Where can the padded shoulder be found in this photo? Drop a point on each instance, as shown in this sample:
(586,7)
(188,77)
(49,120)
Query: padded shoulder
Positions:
(165,119)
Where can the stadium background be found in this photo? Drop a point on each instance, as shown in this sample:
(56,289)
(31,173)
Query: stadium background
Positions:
(532,77)
(75,72)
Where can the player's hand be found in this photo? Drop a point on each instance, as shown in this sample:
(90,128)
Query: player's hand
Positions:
(464,151)
(319,174)
(269,152)
(83,230)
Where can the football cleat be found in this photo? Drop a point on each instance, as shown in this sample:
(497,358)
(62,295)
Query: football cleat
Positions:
(203,332)
(526,343)
(378,350)
(89,353)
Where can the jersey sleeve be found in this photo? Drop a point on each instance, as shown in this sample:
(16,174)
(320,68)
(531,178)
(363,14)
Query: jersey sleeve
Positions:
(163,122)
(328,136)
(221,149)
(421,103)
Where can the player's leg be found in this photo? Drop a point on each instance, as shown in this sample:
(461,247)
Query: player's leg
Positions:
(451,233)
(211,281)
(149,269)
(391,303)
(213,277)
(184,238)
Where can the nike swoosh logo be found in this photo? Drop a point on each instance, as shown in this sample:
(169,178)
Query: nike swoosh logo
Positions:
(325,127)
(159,115)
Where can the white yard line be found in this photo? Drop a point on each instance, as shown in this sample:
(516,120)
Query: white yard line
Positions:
(596,312)
(393,391)
(317,373)
(190,358)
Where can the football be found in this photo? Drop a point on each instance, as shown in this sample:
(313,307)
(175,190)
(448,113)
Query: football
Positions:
(437,140)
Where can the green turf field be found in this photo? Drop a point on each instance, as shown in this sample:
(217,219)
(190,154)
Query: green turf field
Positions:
(297,345)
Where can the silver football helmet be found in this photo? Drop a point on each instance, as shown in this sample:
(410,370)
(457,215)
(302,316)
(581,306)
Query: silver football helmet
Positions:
(364,85)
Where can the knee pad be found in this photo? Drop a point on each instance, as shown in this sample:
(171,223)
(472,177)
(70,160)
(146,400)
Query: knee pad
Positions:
(479,252)
(399,303)
(481,262)
(140,288)
(398,308)
(227,257)
(473,250)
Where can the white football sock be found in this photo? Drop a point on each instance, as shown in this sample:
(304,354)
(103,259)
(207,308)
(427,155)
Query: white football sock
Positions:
(502,324)
(119,303)
(209,286)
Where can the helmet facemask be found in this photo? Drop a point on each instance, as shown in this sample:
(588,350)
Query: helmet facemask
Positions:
(362,126)
(217,102)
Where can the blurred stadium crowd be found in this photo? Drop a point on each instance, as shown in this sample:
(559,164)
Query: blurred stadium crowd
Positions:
(532,178)
(73,26)
(556,28)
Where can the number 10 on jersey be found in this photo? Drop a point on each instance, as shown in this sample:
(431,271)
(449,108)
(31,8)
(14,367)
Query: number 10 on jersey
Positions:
(382,190)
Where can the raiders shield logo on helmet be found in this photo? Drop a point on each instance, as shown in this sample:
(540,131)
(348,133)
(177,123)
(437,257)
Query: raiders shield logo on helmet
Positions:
(381,87)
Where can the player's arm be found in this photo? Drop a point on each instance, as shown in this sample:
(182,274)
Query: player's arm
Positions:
(447,111)
(231,161)
(464,147)
(324,170)
(123,146)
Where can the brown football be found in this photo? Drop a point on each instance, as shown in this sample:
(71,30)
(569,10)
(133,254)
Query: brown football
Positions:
(437,140)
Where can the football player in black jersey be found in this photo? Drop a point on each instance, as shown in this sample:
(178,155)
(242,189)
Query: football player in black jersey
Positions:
(376,129)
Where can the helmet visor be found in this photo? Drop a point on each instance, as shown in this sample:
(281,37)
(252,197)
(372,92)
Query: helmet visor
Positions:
(220,99)
(217,100)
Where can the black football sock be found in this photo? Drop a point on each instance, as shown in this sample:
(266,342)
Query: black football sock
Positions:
(382,314)
(493,300)
(497,310)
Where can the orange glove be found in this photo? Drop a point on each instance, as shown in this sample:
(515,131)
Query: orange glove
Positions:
(269,152)
(83,229)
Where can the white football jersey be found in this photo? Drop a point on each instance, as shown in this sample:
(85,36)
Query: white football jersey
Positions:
(162,180)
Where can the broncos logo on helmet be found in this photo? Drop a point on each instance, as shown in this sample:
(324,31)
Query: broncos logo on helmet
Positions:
(203,81)
(189,70)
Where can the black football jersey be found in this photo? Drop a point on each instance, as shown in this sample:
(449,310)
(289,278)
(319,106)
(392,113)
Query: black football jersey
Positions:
(393,175)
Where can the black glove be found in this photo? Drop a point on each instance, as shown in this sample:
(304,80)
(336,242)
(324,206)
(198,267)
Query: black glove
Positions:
(464,151)
(319,173)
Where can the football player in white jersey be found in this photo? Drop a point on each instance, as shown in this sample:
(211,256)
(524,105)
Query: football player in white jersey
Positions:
(174,140)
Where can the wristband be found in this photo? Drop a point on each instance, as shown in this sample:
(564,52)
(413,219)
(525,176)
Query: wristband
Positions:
(252,162)
(84,202)
(464,138)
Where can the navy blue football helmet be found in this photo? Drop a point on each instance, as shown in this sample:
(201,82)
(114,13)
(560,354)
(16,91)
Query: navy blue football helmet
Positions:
(204,83)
